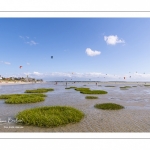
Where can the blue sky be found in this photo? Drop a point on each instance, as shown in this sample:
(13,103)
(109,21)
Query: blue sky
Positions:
(82,48)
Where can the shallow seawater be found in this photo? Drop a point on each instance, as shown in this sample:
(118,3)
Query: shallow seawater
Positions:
(133,99)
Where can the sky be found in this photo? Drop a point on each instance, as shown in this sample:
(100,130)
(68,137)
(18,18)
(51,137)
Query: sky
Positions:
(95,49)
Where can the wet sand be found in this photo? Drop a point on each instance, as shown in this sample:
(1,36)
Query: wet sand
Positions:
(135,117)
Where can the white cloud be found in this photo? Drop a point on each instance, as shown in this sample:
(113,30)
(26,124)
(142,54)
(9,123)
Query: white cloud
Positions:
(26,38)
(71,75)
(4,62)
(90,52)
(7,63)
(113,40)
(21,37)
(32,43)
(37,73)
(60,74)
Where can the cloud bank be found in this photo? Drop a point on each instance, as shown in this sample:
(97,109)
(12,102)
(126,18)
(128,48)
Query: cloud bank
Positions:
(97,76)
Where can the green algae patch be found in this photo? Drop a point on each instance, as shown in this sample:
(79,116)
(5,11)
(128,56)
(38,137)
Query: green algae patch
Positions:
(109,86)
(91,97)
(88,91)
(108,106)
(40,90)
(93,92)
(6,96)
(128,86)
(22,98)
(125,87)
(50,116)
(72,87)
(82,89)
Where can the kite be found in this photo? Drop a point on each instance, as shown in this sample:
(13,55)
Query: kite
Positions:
(124,77)
(51,56)
(20,67)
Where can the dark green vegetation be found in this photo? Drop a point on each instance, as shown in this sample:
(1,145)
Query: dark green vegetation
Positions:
(122,87)
(146,85)
(108,106)
(22,98)
(81,89)
(91,97)
(125,87)
(134,86)
(128,86)
(72,87)
(88,91)
(94,92)
(41,90)
(50,116)
(109,86)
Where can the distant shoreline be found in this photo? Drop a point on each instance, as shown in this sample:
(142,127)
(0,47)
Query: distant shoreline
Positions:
(14,83)
(105,82)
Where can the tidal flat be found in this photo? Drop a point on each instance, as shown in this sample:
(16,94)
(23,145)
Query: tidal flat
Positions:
(135,117)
